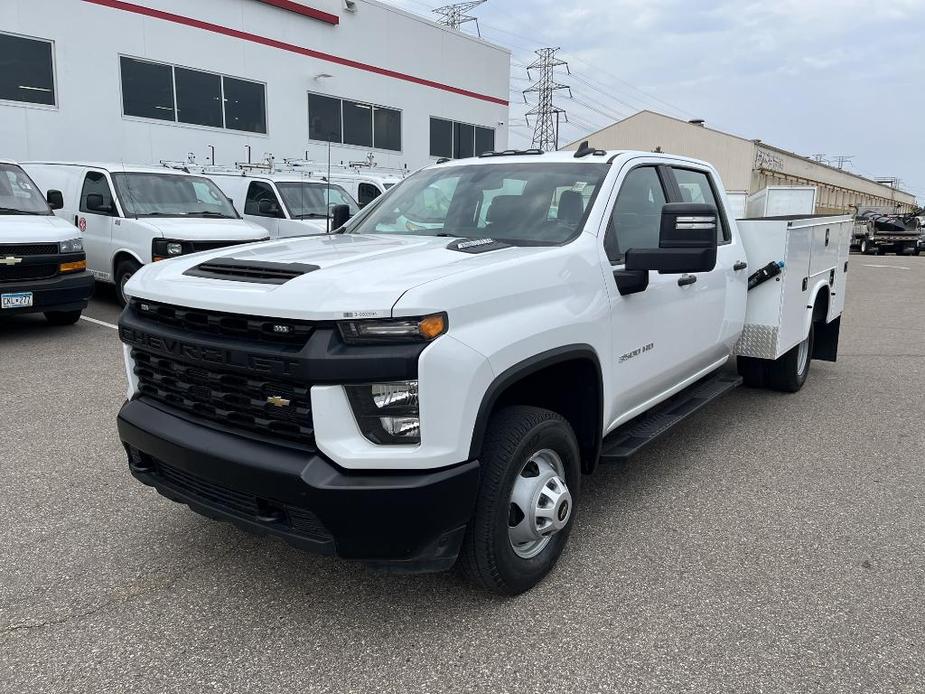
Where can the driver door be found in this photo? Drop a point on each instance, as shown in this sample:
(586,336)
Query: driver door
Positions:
(96,214)
(262,206)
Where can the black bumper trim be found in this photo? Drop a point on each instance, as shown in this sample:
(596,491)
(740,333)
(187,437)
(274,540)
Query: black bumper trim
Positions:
(64,293)
(395,520)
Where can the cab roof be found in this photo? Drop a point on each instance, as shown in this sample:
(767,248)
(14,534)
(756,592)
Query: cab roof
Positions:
(114,167)
(599,156)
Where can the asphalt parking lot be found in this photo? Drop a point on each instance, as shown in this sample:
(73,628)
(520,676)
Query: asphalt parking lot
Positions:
(773,543)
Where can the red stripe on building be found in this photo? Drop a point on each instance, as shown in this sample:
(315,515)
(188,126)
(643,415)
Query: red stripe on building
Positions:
(290,47)
(303,10)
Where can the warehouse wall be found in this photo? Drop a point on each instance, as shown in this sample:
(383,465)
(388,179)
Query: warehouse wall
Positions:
(646,131)
(87,120)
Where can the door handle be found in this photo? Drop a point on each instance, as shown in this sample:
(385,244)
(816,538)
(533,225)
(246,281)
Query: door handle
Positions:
(686,280)
(741,265)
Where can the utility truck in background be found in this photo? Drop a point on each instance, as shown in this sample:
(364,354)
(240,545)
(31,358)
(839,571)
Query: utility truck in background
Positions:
(428,385)
(43,268)
(129,216)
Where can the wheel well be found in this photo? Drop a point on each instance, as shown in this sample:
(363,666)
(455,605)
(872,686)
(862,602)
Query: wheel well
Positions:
(120,256)
(821,304)
(571,386)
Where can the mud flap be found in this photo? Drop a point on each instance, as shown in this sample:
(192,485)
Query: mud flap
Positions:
(825,346)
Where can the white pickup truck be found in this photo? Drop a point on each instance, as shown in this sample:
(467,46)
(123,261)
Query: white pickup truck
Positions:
(428,384)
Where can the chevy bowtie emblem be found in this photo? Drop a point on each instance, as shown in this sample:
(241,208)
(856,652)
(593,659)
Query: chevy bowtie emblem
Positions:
(10,260)
(277,401)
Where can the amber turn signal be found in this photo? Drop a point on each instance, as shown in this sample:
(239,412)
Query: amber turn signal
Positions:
(73,266)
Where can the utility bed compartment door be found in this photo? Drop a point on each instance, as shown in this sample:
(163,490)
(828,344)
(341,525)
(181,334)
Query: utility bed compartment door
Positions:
(825,248)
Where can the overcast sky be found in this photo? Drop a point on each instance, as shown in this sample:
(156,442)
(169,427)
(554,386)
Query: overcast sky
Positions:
(833,77)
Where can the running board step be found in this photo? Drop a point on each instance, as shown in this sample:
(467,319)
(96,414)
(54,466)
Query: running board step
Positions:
(624,441)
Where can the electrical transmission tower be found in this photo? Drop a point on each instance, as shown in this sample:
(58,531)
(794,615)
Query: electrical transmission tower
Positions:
(455,15)
(546,128)
(843,159)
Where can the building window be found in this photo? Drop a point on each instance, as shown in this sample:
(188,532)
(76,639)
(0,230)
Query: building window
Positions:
(459,140)
(181,95)
(27,71)
(353,123)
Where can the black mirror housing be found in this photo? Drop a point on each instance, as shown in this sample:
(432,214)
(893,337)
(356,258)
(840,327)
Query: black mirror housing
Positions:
(268,207)
(95,204)
(687,241)
(340,215)
(55,199)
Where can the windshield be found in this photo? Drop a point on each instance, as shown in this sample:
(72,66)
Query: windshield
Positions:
(171,195)
(523,204)
(307,200)
(18,194)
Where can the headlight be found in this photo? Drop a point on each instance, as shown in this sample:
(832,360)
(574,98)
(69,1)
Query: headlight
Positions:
(71,246)
(393,329)
(165,248)
(387,413)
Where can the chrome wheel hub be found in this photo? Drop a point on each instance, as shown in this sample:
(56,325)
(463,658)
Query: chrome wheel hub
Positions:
(803,356)
(541,504)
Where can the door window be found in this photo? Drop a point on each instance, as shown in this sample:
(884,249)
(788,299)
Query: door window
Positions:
(696,187)
(257,193)
(637,214)
(95,183)
(366,193)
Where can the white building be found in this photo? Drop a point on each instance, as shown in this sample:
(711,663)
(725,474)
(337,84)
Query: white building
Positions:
(146,80)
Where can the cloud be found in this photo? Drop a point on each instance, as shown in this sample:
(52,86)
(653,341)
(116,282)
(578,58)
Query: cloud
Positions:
(833,76)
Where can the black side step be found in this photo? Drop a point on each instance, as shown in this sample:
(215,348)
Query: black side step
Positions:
(624,441)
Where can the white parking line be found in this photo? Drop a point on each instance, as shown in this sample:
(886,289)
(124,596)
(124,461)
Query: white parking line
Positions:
(892,267)
(99,322)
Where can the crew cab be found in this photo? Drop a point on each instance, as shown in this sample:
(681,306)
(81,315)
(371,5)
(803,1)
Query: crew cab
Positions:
(429,384)
(285,203)
(43,268)
(129,216)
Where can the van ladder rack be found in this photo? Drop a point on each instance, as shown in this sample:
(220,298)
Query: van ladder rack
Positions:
(511,153)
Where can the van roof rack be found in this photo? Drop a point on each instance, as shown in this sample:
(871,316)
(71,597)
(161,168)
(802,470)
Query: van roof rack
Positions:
(512,153)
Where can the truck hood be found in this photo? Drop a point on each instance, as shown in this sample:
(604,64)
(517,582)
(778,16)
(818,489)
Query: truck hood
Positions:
(16,228)
(357,275)
(199,229)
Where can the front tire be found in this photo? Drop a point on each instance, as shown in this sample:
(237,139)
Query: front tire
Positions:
(124,273)
(788,373)
(63,317)
(531,476)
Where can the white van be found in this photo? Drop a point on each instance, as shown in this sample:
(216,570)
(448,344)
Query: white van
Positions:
(365,187)
(132,215)
(43,268)
(285,204)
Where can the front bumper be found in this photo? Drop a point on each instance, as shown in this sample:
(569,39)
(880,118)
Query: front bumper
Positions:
(401,521)
(64,293)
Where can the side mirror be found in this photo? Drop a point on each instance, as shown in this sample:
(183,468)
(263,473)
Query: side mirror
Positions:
(268,207)
(55,199)
(95,204)
(340,215)
(686,242)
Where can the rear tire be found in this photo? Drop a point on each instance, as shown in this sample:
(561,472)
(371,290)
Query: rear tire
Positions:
(124,273)
(63,317)
(754,371)
(523,447)
(788,373)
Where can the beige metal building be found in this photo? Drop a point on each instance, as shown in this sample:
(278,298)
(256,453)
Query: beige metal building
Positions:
(749,165)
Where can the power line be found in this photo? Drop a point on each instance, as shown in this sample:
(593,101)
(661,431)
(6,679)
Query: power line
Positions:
(546,129)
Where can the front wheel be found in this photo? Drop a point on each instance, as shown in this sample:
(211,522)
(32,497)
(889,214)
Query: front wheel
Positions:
(528,496)
(62,317)
(865,247)
(124,273)
(789,372)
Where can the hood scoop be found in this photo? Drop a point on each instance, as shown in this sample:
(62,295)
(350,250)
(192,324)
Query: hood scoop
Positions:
(257,271)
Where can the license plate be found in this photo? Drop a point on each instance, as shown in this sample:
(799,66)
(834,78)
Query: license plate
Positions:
(18,300)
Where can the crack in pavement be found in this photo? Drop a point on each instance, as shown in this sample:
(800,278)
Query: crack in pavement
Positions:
(126,598)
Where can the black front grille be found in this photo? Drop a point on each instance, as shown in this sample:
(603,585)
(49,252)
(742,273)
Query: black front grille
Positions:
(231,325)
(196,246)
(28,249)
(250,403)
(10,273)
(298,521)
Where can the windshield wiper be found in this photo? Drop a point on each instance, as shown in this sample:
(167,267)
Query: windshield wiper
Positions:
(13,210)
(209,213)
(311,215)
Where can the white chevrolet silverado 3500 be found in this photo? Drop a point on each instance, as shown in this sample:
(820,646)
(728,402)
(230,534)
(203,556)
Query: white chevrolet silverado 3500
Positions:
(429,383)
